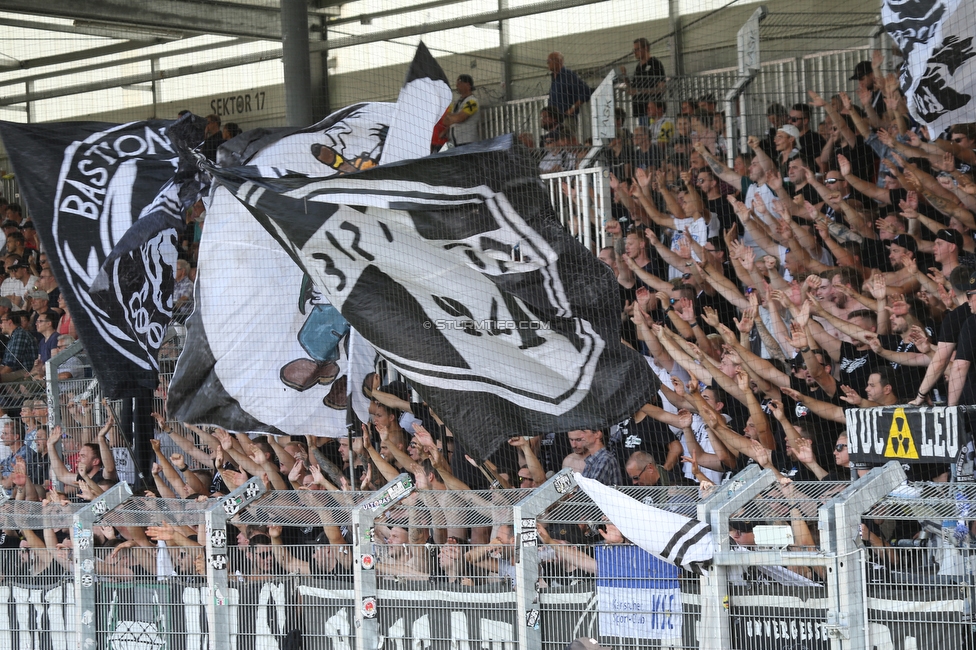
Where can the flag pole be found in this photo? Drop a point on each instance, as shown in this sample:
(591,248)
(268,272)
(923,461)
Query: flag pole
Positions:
(139,411)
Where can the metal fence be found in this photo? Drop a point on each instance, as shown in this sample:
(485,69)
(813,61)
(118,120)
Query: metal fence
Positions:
(580,198)
(383,581)
(784,80)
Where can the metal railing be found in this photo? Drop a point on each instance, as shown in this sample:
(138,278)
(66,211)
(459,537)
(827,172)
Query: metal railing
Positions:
(370,587)
(581,200)
(785,81)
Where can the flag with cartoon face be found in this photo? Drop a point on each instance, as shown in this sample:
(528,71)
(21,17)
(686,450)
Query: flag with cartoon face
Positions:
(454,268)
(266,350)
(938,76)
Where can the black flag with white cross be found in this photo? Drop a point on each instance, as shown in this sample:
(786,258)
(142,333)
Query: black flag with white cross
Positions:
(455,269)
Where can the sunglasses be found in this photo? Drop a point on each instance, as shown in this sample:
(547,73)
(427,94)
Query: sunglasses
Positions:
(795,119)
(840,447)
(831,181)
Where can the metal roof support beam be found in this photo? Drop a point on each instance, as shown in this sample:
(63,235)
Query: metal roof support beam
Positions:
(297,69)
(226,18)
(454,23)
(144,77)
(189,49)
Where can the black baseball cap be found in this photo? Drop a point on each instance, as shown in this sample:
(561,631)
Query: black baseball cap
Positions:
(905,241)
(861,70)
(951,236)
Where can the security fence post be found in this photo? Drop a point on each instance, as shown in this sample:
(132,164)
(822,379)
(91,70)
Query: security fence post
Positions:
(51,367)
(528,610)
(714,629)
(84,565)
(218,615)
(364,555)
(840,524)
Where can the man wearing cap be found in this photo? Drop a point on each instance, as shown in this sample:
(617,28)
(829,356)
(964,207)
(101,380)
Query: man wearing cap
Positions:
(946,248)
(777,116)
(901,252)
(962,375)
(787,144)
(19,281)
(465,115)
(38,302)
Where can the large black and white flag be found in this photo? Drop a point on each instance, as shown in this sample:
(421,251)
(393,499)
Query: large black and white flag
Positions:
(939,73)
(265,350)
(454,268)
(107,203)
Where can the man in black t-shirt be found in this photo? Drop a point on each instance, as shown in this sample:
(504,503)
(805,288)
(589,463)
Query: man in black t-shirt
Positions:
(649,81)
(960,280)
(855,360)
(962,375)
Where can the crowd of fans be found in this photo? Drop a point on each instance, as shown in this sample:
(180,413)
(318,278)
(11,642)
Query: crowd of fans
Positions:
(830,267)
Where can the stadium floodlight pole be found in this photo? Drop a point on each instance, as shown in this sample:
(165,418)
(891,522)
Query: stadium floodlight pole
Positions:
(295,60)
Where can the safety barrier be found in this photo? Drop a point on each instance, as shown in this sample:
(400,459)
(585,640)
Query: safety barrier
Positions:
(378,585)
(785,81)
(581,200)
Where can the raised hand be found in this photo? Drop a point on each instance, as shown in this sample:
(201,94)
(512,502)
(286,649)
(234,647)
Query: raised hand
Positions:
(816,99)
(798,336)
(748,258)
(742,381)
(844,164)
(748,321)
(803,450)
(873,342)
(850,396)
(878,286)
(710,316)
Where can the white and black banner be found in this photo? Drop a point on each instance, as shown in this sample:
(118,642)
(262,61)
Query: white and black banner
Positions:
(107,201)
(939,73)
(266,350)
(671,537)
(454,269)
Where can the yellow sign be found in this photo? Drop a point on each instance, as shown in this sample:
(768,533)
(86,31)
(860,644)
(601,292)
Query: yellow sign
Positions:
(900,441)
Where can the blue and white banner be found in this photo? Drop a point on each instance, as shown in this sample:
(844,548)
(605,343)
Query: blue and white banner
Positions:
(639,596)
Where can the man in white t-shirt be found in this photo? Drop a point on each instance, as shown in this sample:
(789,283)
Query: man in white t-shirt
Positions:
(19,281)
